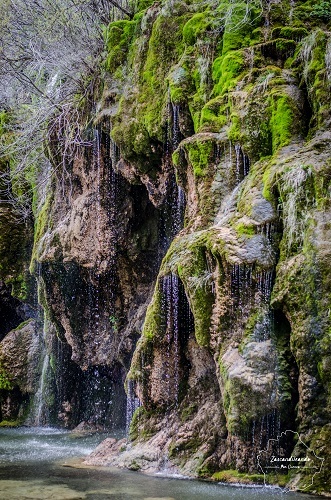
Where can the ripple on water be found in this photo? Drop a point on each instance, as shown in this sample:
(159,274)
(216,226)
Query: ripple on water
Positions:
(31,470)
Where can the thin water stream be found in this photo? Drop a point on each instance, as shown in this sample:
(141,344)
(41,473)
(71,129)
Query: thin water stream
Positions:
(32,466)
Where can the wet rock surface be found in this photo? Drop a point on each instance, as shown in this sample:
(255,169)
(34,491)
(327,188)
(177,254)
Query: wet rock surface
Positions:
(187,249)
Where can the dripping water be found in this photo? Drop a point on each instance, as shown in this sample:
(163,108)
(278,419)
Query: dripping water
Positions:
(238,151)
(174,208)
(132,404)
(241,289)
(170,295)
(250,291)
(112,157)
(41,410)
(242,164)
(179,210)
(95,276)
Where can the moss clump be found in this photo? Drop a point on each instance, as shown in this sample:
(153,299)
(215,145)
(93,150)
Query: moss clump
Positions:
(200,154)
(290,33)
(322,10)
(5,382)
(227,70)
(240,19)
(194,274)
(320,444)
(311,63)
(245,230)
(153,320)
(233,476)
(10,423)
(196,27)
(214,114)
(118,36)
(268,183)
(155,47)
(282,118)
(188,411)
(140,5)
(179,84)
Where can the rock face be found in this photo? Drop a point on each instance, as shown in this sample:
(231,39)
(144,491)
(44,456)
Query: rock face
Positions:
(221,108)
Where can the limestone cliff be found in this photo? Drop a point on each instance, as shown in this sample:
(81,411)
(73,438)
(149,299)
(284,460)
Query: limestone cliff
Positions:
(222,107)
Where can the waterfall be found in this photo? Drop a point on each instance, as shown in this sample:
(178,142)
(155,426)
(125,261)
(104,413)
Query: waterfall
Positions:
(178,210)
(242,164)
(40,405)
(241,279)
(174,207)
(268,230)
(177,325)
(111,159)
(132,404)
(251,290)
(170,306)
(238,154)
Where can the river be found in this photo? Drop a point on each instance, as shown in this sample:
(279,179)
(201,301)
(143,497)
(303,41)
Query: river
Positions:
(35,464)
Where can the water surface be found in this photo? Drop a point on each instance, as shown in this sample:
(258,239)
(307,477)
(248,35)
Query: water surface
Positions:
(32,467)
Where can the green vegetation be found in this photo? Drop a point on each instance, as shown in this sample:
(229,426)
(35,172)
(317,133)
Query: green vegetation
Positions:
(322,10)
(245,230)
(227,70)
(281,121)
(196,27)
(118,37)
(10,423)
(200,155)
(251,82)
(233,476)
(5,382)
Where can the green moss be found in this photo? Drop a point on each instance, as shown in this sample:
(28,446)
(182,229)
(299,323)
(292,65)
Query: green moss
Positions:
(23,324)
(180,83)
(196,27)
(240,20)
(281,121)
(278,479)
(227,70)
(176,158)
(214,114)
(233,476)
(118,36)
(22,285)
(290,33)
(234,131)
(200,154)
(320,445)
(188,411)
(268,182)
(10,423)
(153,320)
(134,466)
(139,126)
(4,119)
(310,61)
(194,273)
(285,48)
(245,230)
(322,10)
(5,382)
(139,5)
